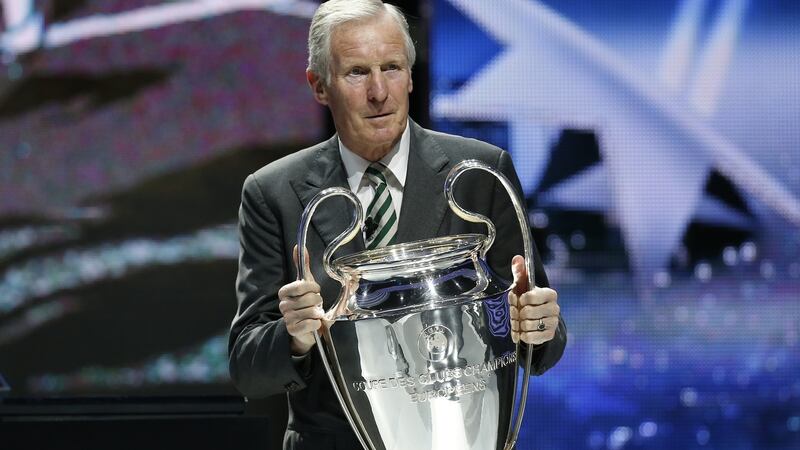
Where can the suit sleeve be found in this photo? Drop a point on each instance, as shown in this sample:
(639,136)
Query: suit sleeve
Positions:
(509,243)
(260,359)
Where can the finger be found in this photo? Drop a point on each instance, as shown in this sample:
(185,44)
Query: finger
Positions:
(513,300)
(303,320)
(534,312)
(309,276)
(520,273)
(310,312)
(537,337)
(309,273)
(527,326)
(297,289)
(295,257)
(538,296)
(310,300)
(515,336)
(303,327)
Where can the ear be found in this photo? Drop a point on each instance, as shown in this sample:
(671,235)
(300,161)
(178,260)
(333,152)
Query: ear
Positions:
(317,87)
(410,83)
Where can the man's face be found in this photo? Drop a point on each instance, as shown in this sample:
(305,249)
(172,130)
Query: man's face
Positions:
(369,85)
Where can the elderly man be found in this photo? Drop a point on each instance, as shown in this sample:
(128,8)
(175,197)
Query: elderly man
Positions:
(360,59)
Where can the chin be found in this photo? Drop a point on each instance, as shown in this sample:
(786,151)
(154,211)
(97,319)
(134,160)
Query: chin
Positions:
(384,133)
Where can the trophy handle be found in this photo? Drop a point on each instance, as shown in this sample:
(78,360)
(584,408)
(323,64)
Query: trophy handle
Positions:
(522,218)
(346,236)
(456,172)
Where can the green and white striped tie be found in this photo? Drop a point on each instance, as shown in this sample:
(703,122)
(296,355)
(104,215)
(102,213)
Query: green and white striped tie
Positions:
(380,226)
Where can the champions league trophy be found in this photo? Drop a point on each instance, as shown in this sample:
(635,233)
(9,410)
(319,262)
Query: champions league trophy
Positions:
(418,346)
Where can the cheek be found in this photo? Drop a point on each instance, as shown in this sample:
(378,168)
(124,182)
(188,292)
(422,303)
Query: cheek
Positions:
(402,94)
(354,102)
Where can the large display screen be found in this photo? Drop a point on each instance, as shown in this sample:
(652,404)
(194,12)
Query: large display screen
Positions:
(658,143)
(126,131)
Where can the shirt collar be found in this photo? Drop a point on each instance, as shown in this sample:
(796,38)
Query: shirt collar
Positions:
(396,160)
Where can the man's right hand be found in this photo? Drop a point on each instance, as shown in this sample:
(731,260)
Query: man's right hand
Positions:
(301,307)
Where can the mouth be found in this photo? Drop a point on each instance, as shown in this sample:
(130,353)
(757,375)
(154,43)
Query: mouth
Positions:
(378,116)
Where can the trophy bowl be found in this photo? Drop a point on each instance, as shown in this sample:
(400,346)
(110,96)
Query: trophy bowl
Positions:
(418,345)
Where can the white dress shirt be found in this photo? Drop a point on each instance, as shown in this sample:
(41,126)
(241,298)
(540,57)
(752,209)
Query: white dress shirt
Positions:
(397,162)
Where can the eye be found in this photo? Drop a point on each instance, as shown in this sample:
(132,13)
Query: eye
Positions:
(357,71)
(392,67)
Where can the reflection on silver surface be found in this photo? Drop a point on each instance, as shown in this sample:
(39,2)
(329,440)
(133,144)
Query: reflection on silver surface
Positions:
(441,387)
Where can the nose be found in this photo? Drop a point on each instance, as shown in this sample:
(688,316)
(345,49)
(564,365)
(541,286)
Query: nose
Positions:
(377,90)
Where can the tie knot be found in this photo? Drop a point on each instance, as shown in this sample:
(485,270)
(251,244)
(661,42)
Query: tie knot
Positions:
(377,173)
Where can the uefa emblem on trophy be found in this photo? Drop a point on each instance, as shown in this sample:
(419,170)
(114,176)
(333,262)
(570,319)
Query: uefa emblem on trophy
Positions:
(436,342)
(418,346)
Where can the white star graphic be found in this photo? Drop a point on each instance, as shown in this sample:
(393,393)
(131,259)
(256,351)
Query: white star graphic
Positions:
(657,152)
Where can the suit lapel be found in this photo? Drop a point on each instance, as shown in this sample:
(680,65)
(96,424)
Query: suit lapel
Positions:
(424,202)
(333,215)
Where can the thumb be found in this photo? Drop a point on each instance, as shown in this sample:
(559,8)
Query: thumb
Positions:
(520,272)
(308,273)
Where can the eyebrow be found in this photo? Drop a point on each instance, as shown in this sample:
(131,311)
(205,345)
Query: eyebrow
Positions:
(355,63)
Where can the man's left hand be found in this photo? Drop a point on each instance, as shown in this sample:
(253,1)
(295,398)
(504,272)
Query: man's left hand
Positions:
(534,312)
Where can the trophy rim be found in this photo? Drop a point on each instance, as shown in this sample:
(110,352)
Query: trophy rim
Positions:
(424,254)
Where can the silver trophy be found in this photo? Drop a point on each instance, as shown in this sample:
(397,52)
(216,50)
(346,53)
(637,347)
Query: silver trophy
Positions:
(418,346)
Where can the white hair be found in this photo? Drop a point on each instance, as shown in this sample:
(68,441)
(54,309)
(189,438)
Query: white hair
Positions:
(333,13)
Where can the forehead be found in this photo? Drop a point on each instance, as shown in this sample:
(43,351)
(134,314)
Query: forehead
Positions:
(374,38)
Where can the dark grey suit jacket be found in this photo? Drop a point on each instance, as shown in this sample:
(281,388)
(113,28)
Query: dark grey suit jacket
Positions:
(273,199)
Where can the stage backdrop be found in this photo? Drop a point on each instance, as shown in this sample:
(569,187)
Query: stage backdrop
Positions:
(126,131)
(658,143)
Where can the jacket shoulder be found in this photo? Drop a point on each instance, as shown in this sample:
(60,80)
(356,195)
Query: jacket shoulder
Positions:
(460,147)
(288,167)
